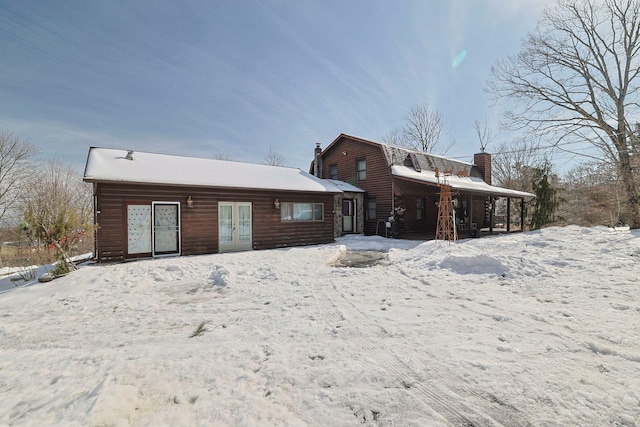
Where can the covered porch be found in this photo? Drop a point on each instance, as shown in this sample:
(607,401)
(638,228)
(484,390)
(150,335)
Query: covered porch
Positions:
(473,212)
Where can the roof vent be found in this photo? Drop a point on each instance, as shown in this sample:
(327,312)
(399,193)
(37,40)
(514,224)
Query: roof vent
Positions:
(130,155)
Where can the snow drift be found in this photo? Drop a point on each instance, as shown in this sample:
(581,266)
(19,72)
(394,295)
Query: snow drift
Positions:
(531,329)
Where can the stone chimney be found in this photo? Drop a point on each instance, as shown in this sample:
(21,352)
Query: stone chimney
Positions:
(317,161)
(483,163)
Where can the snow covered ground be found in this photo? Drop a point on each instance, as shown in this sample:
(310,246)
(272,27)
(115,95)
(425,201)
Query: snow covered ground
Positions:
(539,328)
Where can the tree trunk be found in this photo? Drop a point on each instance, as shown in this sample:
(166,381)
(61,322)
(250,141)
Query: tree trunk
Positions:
(631,188)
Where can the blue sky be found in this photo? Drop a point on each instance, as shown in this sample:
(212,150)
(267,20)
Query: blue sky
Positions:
(236,77)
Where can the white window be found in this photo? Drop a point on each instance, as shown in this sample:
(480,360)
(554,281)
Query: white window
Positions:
(362,169)
(301,212)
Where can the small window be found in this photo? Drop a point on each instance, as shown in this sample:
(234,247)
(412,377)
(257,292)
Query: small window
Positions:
(419,208)
(333,172)
(361,166)
(414,162)
(371,209)
(301,212)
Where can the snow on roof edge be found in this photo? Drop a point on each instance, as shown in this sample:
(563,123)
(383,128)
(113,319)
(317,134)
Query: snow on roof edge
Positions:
(470,184)
(111,165)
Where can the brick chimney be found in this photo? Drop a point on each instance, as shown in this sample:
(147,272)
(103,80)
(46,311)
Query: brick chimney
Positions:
(317,161)
(483,163)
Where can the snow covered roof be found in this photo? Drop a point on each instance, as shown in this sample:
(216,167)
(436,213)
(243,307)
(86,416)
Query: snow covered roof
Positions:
(465,183)
(345,186)
(396,155)
(113,165)
(420,166)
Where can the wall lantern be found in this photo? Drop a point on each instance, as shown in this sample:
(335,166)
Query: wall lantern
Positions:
(276,204)
(189,202)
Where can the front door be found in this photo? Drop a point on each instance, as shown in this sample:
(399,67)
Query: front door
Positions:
(348,216)
(166,228)
(234,226)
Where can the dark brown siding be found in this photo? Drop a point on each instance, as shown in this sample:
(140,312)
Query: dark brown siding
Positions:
(407,194)
(345,153)
(199,225)
(270,232)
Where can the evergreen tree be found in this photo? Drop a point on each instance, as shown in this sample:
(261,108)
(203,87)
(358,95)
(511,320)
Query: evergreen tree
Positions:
(547,199)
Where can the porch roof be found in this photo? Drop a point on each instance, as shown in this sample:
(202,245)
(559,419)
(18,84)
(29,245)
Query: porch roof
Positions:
(113,165)
(470,184)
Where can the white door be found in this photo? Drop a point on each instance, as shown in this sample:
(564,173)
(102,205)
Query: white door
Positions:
(234,226)
(348,215)
(166,228)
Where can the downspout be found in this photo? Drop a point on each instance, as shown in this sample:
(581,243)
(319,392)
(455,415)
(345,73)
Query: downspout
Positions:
(96,224)
(393,198)
(471,214)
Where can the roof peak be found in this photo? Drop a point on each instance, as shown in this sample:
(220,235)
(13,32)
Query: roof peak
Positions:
(403,148)
(130,154)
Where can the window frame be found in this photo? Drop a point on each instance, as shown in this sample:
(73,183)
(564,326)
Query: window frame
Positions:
(369,209)
(361,174)
(290,207)
(333,168)
(420,205)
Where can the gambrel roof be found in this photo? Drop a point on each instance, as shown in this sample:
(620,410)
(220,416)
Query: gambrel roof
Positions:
(419,166)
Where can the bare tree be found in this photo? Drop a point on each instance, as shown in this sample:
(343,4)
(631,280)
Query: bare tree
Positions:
(15,167)
(223,156)
(592,195)
(273,158)
(576,78)
(485,134)
(513,164)
(394,137)
(57,206)
(423,130)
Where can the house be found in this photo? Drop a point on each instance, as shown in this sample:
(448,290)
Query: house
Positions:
(150,205)
(402,188)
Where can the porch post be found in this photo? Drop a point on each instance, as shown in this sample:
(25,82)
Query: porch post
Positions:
(522,214)
(491,208)
(471,214)
(508,214)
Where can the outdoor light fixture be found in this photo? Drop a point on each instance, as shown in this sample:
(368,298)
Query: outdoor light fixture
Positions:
(189,202)
(276,204)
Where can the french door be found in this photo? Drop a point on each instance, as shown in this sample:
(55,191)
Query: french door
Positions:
(234,226)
